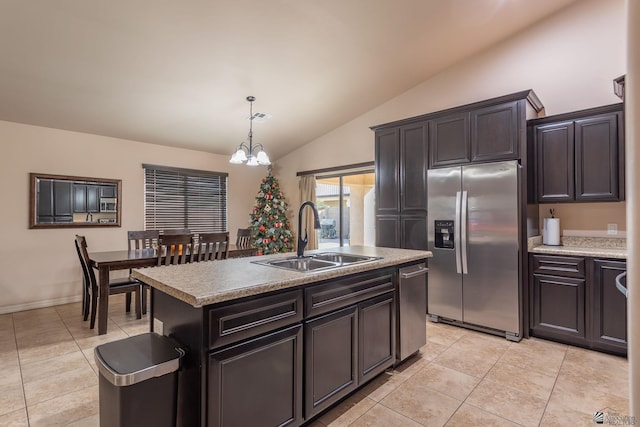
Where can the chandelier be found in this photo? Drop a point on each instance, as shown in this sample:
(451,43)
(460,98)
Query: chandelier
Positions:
(254,155)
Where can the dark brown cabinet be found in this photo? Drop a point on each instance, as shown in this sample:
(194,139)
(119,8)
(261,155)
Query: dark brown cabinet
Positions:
(331,370)
(483,134)
(609,322)
(54,201)
(575,301)
(258,382)
(86,198)
(449,140)
(401,186)
(580,156)
(376,336)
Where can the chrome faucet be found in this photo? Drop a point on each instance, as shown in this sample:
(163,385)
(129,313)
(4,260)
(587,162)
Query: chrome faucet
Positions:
(302,243)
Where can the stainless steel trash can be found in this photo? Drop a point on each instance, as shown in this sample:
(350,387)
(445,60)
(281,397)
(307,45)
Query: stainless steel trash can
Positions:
(138,381)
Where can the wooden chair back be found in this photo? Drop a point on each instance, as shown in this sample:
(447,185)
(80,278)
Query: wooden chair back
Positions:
(142,239)
(171,231)
(243,238)
(174,249)
(89,277)
(211,246)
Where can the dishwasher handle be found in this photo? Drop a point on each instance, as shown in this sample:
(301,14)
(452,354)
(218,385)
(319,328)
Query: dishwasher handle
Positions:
(414,273)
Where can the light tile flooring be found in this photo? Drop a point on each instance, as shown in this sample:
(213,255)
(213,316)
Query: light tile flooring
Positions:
(462,378)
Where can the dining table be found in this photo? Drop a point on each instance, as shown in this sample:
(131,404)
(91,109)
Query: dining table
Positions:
(107,261)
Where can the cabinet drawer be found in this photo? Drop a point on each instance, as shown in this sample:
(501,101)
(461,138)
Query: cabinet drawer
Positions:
(244,320)
(321,298)
(559,265)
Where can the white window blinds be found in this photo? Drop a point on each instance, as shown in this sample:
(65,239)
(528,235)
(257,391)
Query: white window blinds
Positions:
(177,198)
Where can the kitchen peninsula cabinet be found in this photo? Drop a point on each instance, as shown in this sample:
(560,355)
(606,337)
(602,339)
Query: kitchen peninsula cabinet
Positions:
(579,156)
(575,301)
(267,346)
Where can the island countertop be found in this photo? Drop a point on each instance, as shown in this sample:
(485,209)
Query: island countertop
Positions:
(203,283)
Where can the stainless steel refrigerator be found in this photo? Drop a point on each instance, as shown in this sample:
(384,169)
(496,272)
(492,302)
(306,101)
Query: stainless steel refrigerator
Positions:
(474,234)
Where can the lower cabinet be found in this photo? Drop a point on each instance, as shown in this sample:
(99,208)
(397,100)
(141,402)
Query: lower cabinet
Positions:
(258,382)
(575,301)
(609,322)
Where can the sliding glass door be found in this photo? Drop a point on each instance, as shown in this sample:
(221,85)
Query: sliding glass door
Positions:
(346,206)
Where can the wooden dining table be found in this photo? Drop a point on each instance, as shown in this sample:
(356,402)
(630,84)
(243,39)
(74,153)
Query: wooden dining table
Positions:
(108,261)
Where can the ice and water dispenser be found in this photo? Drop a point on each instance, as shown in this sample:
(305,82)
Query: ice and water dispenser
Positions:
(444,234)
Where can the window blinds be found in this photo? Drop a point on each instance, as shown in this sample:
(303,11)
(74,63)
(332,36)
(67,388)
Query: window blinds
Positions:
(176,198)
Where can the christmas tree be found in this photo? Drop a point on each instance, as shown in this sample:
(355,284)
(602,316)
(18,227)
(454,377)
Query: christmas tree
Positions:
(270,228)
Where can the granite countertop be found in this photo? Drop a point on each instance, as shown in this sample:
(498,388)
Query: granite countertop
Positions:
(596,247)
(203,283)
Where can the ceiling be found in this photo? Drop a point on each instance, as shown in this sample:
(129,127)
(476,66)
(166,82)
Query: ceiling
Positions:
(177,72)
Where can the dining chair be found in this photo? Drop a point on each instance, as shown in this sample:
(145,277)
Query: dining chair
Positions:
(142,239)
(243,238)
(91,289)
(174,249)
(210,246)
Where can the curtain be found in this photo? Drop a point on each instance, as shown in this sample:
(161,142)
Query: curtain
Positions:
(307,186)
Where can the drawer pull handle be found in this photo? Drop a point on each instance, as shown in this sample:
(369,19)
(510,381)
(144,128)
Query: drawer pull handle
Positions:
(619,284)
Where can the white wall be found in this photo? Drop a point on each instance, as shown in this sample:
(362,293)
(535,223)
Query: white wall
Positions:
(40,267)
(569,60)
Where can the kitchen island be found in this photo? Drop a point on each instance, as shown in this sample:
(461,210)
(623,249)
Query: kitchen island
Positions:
(268,346)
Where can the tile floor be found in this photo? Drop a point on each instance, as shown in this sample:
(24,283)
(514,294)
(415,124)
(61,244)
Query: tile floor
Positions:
(462,378)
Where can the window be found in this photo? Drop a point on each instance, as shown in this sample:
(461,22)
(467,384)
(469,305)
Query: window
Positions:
(177,198)
(345,202)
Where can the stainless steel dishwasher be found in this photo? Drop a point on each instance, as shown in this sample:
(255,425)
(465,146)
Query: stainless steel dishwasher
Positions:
(412,320)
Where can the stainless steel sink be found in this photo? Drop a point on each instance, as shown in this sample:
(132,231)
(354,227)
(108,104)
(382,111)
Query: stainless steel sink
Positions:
(315,262)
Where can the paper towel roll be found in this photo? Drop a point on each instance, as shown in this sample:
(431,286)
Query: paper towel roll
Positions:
(551,232)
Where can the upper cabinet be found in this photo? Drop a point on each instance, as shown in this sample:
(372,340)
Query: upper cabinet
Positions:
(580,156)
(479,134)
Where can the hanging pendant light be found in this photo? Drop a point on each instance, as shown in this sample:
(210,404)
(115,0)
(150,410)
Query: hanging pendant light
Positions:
(254,155)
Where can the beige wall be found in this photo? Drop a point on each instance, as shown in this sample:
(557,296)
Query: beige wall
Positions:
(40,267)
(587,219)
(569,60)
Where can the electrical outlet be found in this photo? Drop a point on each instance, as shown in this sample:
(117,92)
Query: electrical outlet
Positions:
(612,229)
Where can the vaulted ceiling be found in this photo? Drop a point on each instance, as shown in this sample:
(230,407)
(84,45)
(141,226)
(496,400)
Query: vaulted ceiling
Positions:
(177,72)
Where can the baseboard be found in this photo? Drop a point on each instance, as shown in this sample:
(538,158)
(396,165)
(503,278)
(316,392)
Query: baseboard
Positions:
(39,304)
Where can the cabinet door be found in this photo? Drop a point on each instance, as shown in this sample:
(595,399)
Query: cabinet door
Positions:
(388,231)
(449,140)
(258,382)
(387,172)
(93,198)
(596,158)
(494,133)
(63,200)
(45,200)
(376,336)
(331,357)
(558,311)
(413,231)
(555,162)
(79,198)
(413,168)
(609,313)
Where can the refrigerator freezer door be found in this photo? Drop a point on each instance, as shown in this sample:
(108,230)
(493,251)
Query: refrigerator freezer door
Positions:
(491,287)
(445,285)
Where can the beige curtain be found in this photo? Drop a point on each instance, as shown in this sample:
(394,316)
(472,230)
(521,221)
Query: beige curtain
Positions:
(308,192)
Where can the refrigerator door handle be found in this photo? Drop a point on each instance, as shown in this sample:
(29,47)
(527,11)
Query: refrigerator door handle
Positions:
(463,232)
(456,234)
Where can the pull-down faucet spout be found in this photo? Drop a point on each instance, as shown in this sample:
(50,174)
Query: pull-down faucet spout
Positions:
(302,243)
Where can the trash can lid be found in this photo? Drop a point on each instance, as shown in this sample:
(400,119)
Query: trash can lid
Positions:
(138,358)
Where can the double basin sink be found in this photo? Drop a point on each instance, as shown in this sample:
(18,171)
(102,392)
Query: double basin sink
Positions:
(319,261)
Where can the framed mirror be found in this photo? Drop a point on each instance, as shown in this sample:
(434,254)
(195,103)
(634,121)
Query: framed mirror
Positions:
(59,201)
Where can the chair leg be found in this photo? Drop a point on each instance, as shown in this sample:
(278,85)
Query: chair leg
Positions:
(85,304)
(94,309)
(144,299)
(128,302)
(138,301)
